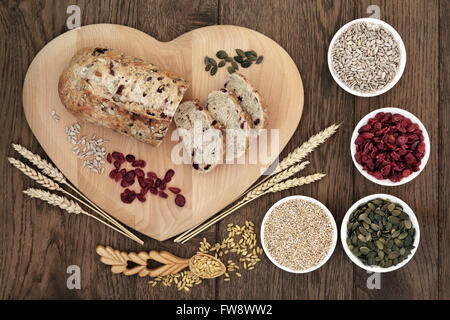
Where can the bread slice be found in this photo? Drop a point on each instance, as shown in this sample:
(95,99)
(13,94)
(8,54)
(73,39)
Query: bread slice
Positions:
(249,99)
(224,107)
(202,137)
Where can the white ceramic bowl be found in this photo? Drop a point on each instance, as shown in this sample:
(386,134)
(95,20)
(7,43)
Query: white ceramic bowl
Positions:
(406,209)
(387,182)
(402,58)
(333,223)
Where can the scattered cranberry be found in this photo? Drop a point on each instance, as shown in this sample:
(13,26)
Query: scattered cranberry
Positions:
(175,190)
(130,158)
(180,200)
(169,174)
(390,146)
(152,183)
(162,194)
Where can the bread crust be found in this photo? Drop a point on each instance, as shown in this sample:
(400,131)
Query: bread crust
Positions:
(123,93)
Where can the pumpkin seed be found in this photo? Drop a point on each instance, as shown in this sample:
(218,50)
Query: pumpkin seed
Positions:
(221,54)
(221,64)
(235,66)
(246,64)
(228,59)
(212,61)
(259,60)
(208,67)
(214,70)
(231,70)
(364,250)
(240,53)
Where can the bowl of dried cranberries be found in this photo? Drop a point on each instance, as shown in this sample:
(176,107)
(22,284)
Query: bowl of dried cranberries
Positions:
(390,146)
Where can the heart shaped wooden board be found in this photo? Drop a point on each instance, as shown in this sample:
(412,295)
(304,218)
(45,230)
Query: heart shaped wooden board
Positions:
(276,78)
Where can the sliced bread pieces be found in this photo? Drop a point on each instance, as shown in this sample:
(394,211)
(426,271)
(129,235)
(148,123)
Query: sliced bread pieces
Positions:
(202,135)
(249,99)
(224,107)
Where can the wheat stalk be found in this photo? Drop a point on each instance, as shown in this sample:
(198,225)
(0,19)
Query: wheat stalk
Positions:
(65,204)
(57,176)
(301,152)
(257,191)
(306,148)
(52,185)
(295,182)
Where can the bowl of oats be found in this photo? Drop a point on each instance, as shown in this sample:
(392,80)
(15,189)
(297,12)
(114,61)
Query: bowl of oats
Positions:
(298,234)
(366,57)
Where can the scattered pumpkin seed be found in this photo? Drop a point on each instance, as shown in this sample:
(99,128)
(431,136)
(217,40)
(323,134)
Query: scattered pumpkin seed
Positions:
(259,60)
(221,54)
(240,53)
(246,64)
(214,70)
(221,64)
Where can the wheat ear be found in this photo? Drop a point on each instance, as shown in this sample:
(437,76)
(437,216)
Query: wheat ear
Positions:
(253,193)
(53,172)
(65,204)
(295,182)
(52,185)
(301,152)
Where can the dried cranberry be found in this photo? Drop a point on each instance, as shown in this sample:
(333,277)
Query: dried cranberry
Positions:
(162,194)
(109,158)
(142,182)
(117,164)
(163,185)
(153,190)
(138,163)
(139,172)
(130,158)
(124,183)
(148,182)
(113,173)
(141,197)
(117,155)
(157,183)
(118,177)
(175,190)
(180,200)
(421,147)
(152,175)
(169,175)
(130,175)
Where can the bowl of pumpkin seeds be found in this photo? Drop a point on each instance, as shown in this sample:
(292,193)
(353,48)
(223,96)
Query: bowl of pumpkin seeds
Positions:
(380,233)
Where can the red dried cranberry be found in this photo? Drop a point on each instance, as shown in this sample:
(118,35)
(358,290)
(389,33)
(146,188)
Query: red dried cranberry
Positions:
(157,183)
(109,158)
(169,175)
(130,158)
(367,127)
(117,164)
(130,175)
(148,182)
(131,196)
(142,182)
(141,197)
(118,177)
(180,200)
(152,175)
(144,191)
(406,172)
(421,147)
(175,190)
(139,172)
(123,172)
(113,173)
(117,155)
(162,194)
(153,190)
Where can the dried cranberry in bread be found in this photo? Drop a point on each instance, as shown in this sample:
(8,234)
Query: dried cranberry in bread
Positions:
(202,135)
(249,99)
(124,93)
(224,107)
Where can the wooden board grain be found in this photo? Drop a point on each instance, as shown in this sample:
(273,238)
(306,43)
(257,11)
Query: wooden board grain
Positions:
(158,218)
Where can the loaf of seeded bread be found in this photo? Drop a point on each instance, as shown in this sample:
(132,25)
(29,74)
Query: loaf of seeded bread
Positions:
(224,107)
(123,93)
(249,99)
(202,135)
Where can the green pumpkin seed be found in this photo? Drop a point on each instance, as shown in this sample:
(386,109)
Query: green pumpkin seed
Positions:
(408,224)
(208,67)
(235,66)
(391,207)
(394,220)
(364,250)
(403,235)
(228,59)
(221,64)
(231,70)
(214,70)
(259,60)
(396,212)
(361,238)
(221,54)
(238,59)
(212,61)
(246,64)
(393,255)
(240,53)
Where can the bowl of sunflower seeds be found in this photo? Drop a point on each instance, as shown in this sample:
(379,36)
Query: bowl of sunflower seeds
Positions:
(366,57)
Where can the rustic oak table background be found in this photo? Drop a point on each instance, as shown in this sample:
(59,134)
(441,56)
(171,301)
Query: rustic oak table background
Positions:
(39,242)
